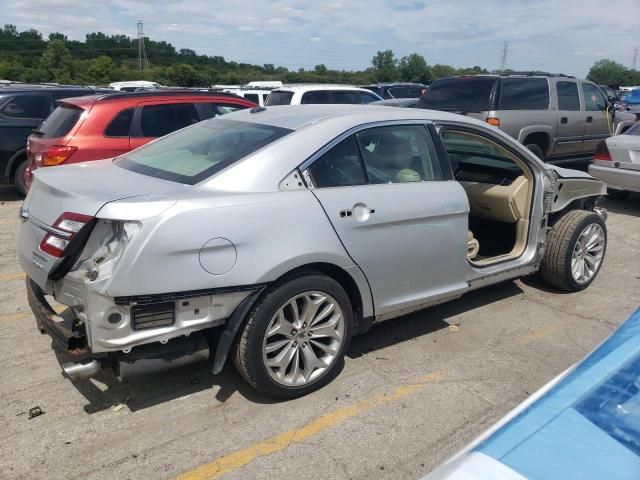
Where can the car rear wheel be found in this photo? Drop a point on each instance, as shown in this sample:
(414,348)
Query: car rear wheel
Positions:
(576,247)
(18,177)
(295,338)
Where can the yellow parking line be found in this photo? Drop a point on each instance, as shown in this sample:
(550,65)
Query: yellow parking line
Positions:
(240,458)
(6,277)
(541,333)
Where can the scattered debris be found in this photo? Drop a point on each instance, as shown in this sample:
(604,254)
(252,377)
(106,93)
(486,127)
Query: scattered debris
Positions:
(120,406)
(381,358)
(454,328)
(35,412)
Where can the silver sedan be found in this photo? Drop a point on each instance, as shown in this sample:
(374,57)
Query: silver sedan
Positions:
(274,235)
(617,163)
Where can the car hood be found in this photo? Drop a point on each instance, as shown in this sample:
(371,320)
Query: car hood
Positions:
(86,187)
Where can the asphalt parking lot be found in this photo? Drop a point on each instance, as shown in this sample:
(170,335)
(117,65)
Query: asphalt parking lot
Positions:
(413,390)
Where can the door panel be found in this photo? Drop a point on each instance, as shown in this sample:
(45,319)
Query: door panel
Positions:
(410,239)
(595,127)
(571,119)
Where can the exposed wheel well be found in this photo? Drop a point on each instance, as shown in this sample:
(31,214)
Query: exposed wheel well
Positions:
(539,138)
(346,281)
(586,203)
(15,160)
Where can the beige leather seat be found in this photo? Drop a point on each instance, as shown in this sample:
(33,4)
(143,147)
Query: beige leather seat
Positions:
(473,246)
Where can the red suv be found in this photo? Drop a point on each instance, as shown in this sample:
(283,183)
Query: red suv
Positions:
(104,126)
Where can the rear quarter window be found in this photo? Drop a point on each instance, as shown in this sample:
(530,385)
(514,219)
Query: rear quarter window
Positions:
(60,122)
(524,94)
(279,98)
(120,125)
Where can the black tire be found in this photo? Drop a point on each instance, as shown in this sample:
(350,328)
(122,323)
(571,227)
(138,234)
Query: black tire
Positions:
(617,195)
(556,265)
(248,355)
(537,150)
(18,177)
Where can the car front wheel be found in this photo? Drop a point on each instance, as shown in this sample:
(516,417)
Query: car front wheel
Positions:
(576,247)
(295,338)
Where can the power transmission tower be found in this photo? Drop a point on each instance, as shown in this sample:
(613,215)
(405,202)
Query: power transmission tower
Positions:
(634,63)
(142,54)
(503,57)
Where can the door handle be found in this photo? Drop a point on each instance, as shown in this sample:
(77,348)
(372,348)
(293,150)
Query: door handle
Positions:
(589,119)
(346,213)
(362,212)
(564,120)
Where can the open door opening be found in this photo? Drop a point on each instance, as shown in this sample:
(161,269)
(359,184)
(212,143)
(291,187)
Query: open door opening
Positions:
(499,187)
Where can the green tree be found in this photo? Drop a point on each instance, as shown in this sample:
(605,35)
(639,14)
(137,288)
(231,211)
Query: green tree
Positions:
(57,62)
(101,69)
(439,71)
(385,66)
(608,72)
(414,68)
(182,75)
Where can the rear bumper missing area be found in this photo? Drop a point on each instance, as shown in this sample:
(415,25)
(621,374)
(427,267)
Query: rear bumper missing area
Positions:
(64,329)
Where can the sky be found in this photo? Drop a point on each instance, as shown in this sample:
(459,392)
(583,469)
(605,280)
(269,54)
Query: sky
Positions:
(560,36)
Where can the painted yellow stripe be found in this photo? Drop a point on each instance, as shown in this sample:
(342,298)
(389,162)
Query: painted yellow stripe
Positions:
(240,458)
(541,333)
(14,317)
(7,277)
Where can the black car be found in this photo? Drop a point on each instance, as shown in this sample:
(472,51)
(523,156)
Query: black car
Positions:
(398,90)
(23,107)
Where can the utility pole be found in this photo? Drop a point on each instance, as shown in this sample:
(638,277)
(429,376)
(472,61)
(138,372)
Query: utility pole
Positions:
(142,54)
(634,63)
(503,57)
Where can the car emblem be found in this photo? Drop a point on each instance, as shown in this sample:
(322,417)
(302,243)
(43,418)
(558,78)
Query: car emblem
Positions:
(24,213)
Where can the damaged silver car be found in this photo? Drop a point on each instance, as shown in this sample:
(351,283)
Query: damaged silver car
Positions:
(274,235)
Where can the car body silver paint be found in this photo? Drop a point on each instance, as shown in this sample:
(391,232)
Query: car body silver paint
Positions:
(273,229)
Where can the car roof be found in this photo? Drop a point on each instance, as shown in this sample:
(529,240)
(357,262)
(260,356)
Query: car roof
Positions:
(24,88)
(307,88)
(395,84)
(150,95)
(294,117)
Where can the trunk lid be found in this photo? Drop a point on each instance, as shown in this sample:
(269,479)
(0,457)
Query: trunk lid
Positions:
(625,149)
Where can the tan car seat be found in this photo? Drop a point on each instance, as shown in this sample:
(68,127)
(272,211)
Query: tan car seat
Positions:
(473,246)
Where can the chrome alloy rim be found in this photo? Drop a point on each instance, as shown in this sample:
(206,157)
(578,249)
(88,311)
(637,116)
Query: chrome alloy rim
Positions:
(303,339)
(588,253)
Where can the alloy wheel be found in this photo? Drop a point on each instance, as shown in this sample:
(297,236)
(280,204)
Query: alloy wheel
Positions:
(587,253)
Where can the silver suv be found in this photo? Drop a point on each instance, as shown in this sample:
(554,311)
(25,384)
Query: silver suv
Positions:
(555,116)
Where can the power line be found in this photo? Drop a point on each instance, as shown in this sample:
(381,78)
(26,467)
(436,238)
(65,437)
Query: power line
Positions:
(634,63)
(143,63)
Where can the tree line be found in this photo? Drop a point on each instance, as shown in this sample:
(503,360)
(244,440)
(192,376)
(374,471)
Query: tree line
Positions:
(26,56)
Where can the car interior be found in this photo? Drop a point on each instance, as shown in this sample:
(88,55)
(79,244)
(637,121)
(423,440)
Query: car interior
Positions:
(499,187)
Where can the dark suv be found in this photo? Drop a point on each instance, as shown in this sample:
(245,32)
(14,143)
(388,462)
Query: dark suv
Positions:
(558,117)
(22,109)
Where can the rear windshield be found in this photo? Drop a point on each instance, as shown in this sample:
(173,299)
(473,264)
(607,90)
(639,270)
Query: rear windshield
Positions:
(60,122)
(279,98)
(195,153)
(459,94)
(634,130)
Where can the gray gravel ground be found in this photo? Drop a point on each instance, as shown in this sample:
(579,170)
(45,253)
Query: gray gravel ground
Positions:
(381,418)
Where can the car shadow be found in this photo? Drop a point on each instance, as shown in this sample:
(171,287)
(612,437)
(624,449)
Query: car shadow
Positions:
(9,194)
(105,391)
(629,206)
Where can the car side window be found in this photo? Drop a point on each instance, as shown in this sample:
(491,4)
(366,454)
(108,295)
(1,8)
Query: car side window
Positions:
(252,97)
(120,125)
(398,154)
(25,106)
(159,120)
(341,166)
(367,98)
(568,98)
(593,98)
(316,97)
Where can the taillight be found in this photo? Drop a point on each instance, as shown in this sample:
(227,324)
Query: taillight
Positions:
(70,223)
(495,121)
(602,152)
(55,155)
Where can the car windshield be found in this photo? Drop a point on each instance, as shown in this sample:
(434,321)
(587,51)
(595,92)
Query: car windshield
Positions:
(195,153)
(459,94)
